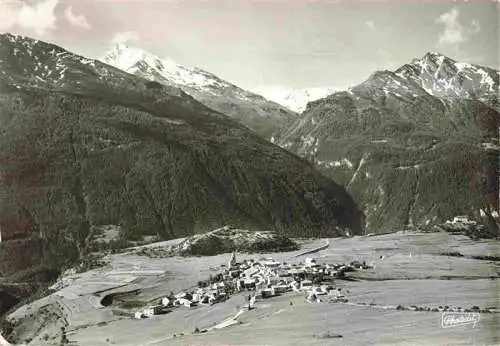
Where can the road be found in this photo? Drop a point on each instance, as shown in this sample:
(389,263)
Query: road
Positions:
(228,321)
(319,248)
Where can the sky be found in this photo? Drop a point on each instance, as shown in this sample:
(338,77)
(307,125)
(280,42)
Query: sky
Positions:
(259,43)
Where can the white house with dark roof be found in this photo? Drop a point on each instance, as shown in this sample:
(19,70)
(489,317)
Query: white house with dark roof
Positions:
(305,284)
(270,262)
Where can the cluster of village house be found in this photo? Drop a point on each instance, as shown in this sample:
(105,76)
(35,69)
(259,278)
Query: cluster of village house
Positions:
(262,279)
(462,219)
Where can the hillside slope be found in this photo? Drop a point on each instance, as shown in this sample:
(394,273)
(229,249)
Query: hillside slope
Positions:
(83,144)
(412,146)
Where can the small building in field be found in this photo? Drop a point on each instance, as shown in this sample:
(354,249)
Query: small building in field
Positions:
(310,262)
(150,311)
(270,262)
(250,272)
(278,289)
(249,283)
(234,273)
(319,291)
(186,302)
(204,300)
(212,299)
(267,292)
(166,302)
(463,219)
(183,295)
(305,284)
(295,286)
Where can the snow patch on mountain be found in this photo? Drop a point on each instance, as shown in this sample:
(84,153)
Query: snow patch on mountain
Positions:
(294,99)
(331,164)
(252,110)
(441,76)
(191,80)
(137,61)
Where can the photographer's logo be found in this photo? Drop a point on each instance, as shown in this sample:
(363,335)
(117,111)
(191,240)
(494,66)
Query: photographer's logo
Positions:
(454,319)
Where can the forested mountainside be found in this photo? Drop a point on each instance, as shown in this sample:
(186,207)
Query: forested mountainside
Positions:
(84,145)
(412,146)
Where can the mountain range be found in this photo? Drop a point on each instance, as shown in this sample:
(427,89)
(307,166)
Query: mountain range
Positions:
(85,145)
(265,117)
(413,146)
(152,148)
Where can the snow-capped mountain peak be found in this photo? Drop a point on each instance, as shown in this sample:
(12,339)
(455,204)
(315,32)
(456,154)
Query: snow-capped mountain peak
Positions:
(252,110)
(167,71)
(137,61)
(443,76)
(125,58)
(294,99)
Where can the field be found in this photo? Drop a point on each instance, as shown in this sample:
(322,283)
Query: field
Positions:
(426,270)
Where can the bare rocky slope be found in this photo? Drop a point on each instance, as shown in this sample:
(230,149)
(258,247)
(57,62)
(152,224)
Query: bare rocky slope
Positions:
(83,144)
(412,146)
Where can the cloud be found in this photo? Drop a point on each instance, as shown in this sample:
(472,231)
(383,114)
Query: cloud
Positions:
(9,12)
(39,17)
(76,20)
(125,37)
(371,25)
(475,26)
(454,32)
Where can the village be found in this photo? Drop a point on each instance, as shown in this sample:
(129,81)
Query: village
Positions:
(262,279)
(312,297)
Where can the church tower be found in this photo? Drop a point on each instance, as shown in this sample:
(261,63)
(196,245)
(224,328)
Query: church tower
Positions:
(232,261)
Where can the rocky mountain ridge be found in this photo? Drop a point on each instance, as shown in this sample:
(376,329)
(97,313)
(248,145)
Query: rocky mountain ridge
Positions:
(413,146)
